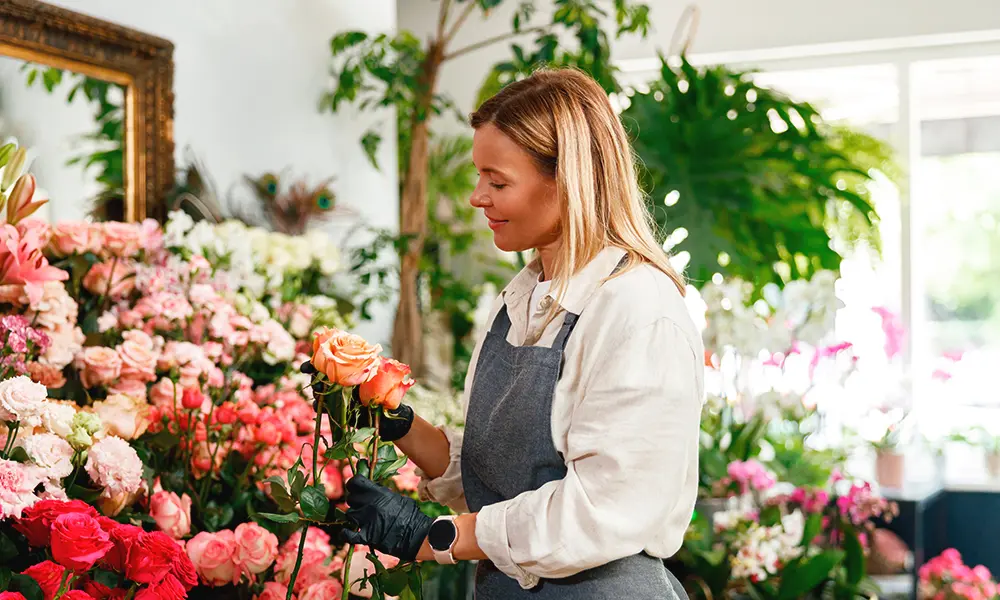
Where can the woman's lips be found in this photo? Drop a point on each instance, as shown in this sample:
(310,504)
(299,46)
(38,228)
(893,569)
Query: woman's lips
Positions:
(495,224)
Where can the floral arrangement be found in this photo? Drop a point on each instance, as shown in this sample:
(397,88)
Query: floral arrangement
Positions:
(770,361)
(770,544)
(946,577)
(159,437)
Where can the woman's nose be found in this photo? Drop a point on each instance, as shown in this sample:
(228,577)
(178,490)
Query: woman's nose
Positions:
(478,199)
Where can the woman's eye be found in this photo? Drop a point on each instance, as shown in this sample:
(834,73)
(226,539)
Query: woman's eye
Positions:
(498,186)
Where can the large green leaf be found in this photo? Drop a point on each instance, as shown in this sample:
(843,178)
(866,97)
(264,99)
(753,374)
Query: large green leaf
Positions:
(804,575)
(754,196)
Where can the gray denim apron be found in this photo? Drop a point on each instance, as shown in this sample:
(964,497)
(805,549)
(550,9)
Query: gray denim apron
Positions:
(507,449)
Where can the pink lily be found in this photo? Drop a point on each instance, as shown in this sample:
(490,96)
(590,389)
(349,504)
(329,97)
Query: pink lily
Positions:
(22,262)
(19,204)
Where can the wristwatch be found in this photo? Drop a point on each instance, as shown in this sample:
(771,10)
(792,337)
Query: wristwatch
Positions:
(442,537)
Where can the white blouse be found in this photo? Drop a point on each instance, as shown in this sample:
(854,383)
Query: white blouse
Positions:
(625,417)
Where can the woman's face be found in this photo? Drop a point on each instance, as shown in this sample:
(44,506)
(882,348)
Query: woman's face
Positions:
(519,200)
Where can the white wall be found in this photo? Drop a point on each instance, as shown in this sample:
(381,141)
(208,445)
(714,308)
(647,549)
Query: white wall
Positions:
(248,78)
(726,26)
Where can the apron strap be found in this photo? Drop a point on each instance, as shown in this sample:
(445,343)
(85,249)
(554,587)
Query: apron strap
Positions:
(501,323)
(569,322)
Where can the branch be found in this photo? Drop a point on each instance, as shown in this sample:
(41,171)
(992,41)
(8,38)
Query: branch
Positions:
(443,17)
(494,40)
(458,23)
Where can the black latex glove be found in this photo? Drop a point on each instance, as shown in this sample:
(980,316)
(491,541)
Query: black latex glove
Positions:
(393,425)
(386,521)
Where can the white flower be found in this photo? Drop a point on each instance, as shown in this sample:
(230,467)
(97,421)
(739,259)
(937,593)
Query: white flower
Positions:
(113,464)
(178,224)
(108,320)
(51,453)
(21,399)
(58,418)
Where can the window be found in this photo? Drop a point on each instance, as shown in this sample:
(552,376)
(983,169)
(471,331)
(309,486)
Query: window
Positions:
(940,266)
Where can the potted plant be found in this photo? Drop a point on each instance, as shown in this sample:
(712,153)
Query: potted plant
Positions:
(889,459)
(990,443)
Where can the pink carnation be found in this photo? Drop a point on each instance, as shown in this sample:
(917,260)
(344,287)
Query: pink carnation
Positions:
(17,484)
(114,465)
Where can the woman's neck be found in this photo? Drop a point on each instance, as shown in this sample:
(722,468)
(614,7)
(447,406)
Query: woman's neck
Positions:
(547,255)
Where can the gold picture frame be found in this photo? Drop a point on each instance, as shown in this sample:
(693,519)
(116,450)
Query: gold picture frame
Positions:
(141,63)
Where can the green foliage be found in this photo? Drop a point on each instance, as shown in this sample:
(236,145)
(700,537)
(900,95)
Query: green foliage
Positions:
(759,182)
(581,20)
(108,139)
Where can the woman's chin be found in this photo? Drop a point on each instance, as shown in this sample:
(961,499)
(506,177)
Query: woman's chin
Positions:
(502,242)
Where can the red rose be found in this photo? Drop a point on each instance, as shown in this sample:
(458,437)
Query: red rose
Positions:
(11,596)
(78,541)
(168,588)
(48,575)
(77,595)
(97,589)
(150,557)
(122,537)
(192,398)
(102,592)
(36,521)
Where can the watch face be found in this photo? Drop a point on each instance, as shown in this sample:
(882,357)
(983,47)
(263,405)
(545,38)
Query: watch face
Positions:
(442,534)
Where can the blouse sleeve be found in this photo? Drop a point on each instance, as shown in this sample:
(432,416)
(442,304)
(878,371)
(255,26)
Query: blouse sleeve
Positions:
(632,438)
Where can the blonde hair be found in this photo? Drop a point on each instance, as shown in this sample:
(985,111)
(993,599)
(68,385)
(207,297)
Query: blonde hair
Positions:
(565,121)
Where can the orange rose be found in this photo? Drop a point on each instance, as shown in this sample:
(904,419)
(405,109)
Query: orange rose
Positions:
(388,385)
(346,359)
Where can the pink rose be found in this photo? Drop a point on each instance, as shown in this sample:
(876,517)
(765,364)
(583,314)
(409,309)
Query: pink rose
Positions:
(151,235)
(171,513)
(256,548)
(138,356)
(406,479)
(115,279)
(275,591)
(212,555)
(99,366)
(129,387)
(73,237)
(165,394)
(121,239)
(324,590)
(360,564)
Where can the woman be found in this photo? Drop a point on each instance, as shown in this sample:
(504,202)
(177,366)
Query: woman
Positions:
(578,468)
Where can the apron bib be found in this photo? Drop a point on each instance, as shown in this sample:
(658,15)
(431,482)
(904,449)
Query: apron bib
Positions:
(507,449)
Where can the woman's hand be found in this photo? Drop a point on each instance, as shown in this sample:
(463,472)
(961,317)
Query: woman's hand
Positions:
(386,521)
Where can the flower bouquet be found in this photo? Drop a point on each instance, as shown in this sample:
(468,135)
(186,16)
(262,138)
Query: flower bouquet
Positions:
(946,577)
(802,544)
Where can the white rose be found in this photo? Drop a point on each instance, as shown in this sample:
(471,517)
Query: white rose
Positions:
(21,399)
(51,453)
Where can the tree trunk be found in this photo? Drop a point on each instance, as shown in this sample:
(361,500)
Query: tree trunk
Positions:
(407,332)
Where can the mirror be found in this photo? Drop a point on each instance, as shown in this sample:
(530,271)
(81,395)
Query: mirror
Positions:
(93,103)
(74,128)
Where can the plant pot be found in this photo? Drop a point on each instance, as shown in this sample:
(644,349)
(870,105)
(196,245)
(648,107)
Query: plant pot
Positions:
(993,464)
(889,468)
